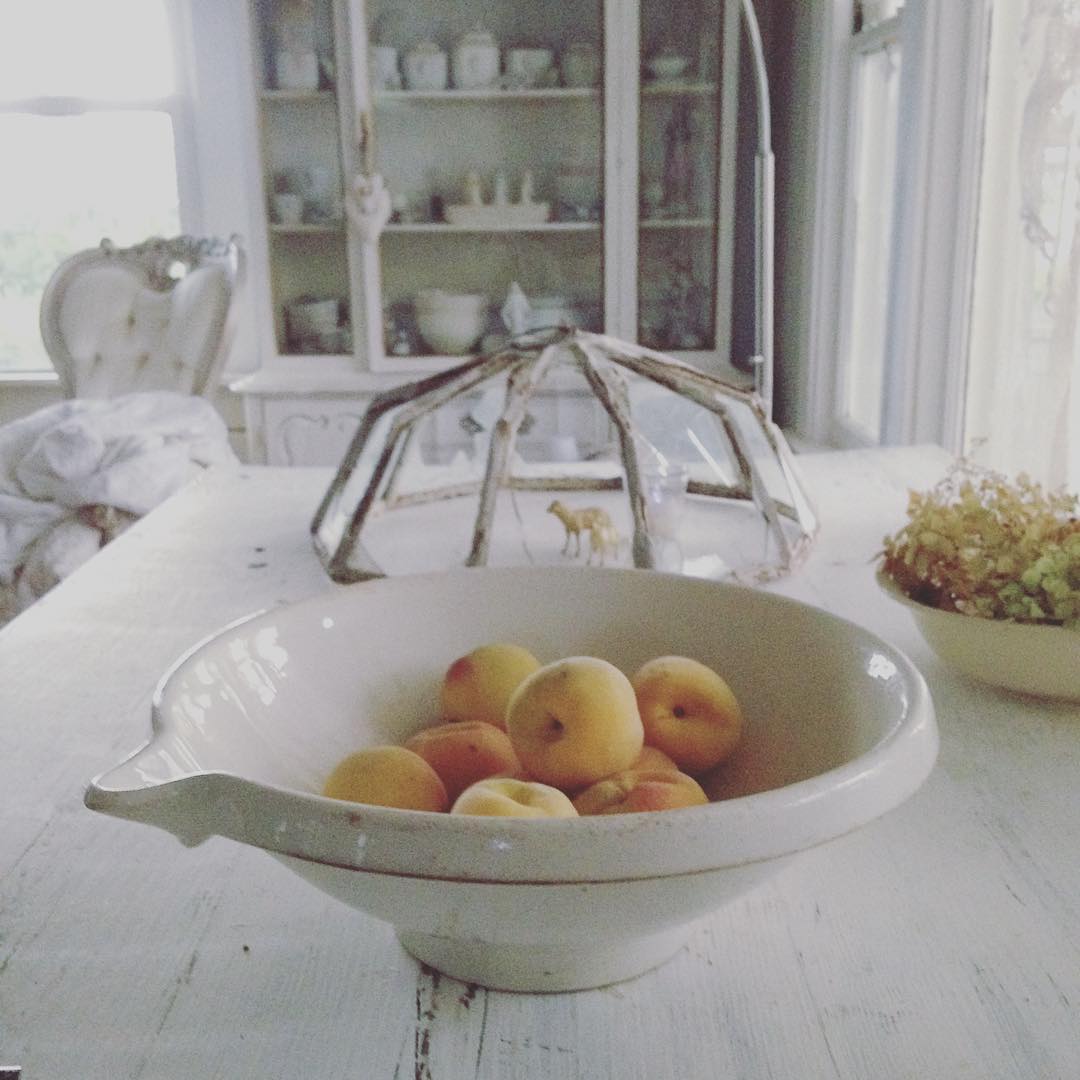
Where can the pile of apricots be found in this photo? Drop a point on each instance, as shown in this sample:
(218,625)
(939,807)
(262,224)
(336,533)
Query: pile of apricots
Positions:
(517,738)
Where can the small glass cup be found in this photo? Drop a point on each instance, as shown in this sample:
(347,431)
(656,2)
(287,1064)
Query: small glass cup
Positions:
(664,489)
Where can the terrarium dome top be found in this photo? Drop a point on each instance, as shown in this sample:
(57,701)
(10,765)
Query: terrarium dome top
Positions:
(661,410)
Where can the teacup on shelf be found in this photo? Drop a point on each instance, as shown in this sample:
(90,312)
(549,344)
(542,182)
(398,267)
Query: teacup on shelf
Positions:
(296,70)
(288,208)
(530,67)
(314,323)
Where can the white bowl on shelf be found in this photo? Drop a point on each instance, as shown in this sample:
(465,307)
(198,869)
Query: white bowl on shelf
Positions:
(495,216)
(1028,658)
(247,726)
(667,66)
(450,323)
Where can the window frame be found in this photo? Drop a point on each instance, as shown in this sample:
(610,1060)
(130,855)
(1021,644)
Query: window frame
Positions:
(179,106)
(857,48)
(942,96)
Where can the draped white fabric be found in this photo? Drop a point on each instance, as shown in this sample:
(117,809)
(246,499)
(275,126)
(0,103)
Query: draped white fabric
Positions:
(126,454)
(1023,395)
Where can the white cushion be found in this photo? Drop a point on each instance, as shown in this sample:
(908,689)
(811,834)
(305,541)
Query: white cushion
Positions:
(124,337)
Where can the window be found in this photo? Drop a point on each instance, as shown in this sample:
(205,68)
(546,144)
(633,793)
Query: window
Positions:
(871,183)
(1022,403)
(957,295)
(90,121)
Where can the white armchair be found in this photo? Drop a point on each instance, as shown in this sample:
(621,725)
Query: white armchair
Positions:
(138,337)
(156,316)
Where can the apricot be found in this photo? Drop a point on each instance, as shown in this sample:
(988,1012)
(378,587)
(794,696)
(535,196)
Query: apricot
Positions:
(574,721)
(688,711)
(652,758)
(504,796)
(465,751)
(387,776)
(478,685)
(638,790)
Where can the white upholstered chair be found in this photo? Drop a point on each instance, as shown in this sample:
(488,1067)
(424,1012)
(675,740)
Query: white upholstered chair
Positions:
(138,337)
(155,316)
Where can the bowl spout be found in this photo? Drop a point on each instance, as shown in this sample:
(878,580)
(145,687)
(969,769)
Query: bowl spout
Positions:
(184,807)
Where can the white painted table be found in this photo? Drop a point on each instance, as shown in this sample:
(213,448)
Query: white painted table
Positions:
(940,943)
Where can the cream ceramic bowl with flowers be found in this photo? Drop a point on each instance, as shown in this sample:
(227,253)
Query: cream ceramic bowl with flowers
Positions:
(1029,658)
(839,729)
(989,568)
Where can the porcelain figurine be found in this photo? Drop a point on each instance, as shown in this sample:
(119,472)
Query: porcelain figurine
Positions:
(516,310)
(679,156)
(474,192)
(369,206)
(527,188)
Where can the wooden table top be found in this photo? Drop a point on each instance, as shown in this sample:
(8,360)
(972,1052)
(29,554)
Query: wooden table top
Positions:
(942,942)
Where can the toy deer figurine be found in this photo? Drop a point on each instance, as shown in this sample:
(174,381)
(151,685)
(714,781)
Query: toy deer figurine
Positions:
(603,536)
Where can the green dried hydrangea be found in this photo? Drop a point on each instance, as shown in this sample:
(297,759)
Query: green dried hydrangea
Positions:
(982,545)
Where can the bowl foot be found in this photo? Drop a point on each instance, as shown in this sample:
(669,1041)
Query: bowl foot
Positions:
(544,969)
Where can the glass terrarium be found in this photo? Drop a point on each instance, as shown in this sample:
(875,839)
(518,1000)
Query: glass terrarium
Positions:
(695,477)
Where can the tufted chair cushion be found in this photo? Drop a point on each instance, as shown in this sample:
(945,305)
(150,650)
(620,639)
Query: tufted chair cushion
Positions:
(112,326)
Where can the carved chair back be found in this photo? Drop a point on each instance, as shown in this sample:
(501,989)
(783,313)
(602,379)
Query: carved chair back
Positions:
(156,316)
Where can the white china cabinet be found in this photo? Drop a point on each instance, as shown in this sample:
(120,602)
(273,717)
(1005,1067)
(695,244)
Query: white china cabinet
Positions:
(439,174)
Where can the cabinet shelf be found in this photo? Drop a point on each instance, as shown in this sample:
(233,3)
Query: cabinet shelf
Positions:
(297,97)
(674,87)
(436,227)
(539,93)
(334,228)
(676,223)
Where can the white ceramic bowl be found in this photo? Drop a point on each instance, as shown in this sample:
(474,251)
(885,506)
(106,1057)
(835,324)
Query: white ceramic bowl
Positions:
(667,66)
(450,322)
(1043,661)
(530,66)
(840,729)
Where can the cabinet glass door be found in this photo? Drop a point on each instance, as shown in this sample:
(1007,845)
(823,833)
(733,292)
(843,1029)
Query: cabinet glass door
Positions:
(296,71)
(489,133)
(679,178)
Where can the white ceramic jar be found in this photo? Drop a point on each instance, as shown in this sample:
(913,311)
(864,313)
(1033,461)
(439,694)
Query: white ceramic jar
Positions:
(384,68)
(426,67)
(475,61)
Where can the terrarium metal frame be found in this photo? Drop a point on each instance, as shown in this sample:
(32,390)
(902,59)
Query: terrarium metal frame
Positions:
(525,361)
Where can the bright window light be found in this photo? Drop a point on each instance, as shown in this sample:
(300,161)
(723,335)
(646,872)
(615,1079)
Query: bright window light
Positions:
(875,107)
(89,148)
(117,50)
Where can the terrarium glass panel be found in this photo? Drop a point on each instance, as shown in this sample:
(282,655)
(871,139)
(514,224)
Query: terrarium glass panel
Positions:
(694,479)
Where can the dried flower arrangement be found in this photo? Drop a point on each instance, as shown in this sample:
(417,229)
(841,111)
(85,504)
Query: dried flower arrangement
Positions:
(983,545)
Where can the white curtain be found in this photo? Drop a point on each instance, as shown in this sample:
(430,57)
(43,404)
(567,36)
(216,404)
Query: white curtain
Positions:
(1023,394)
